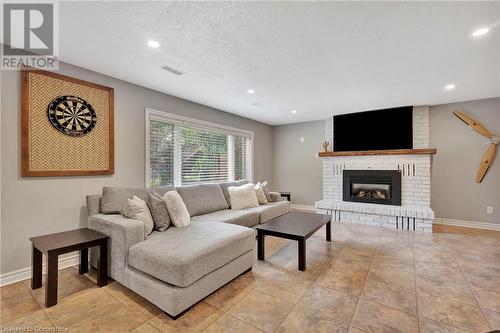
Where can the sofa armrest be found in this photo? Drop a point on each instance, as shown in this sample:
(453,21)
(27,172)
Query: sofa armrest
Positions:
(275,196)
(123,233)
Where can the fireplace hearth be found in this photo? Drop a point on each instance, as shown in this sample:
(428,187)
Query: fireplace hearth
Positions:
(372,186)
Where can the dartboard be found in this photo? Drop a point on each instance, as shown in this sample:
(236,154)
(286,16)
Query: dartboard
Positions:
(71,115)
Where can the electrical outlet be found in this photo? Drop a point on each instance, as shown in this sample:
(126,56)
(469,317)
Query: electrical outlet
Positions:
(489,210)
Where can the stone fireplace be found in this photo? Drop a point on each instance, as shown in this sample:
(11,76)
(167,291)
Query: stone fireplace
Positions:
(388,190)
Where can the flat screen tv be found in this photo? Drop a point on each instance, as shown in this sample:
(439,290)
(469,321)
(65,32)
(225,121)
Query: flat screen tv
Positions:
(374,130)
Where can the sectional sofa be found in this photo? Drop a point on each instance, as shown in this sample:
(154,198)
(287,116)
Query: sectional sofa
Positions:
(177,268)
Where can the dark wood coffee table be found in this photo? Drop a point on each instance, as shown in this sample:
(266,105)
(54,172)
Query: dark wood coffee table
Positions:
(63,242)
(297,226)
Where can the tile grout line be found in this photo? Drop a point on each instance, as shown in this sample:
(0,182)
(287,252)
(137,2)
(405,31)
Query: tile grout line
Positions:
(122,303)
(42,308)
(364,283)
(416,286)
(233,316)
(379,303)
(449,248)
(468,285)
(100,313)
(92,316)
(253,292)
(294,304)
(78,294)
(285,317)
(39,305)
(318,285)
(107,292)
(242,319)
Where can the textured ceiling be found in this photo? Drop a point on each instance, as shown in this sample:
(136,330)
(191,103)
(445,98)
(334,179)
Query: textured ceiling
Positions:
(320,58)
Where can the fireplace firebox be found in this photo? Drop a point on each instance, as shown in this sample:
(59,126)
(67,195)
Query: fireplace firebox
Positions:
(372,186)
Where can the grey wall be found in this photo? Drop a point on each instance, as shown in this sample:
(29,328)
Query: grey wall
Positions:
(35,206)
(296,167)
(454,192)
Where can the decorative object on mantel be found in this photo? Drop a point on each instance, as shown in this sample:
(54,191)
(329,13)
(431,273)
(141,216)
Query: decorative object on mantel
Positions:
(489,156)
(325,145)
(418,151)
(67,126)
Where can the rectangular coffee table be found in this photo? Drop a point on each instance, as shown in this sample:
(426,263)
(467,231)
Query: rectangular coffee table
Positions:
(297,226)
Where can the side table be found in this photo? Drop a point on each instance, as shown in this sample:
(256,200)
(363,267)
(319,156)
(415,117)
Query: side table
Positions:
(287,195)
(63,242)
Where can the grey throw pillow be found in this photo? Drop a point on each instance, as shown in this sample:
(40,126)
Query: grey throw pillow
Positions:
(159,212)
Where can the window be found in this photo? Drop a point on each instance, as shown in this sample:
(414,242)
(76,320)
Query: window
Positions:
(182,151)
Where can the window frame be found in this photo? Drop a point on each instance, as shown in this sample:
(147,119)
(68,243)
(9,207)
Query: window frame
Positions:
(175,119)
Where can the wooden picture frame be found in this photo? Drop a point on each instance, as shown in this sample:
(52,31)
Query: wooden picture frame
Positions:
(45,151)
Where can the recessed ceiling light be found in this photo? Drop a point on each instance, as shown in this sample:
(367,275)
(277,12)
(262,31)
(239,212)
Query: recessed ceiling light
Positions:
(449,87)
(480,32)
(153,43)
(251,91)
(294,111)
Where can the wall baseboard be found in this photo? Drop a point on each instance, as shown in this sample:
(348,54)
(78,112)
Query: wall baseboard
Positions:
(25,273)
(304,208)
(467,224)
(437,220)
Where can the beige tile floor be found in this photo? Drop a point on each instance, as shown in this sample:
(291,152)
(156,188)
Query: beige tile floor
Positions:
(366,280)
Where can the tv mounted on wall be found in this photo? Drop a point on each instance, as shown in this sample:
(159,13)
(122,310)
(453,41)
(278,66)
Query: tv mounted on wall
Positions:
(374,130)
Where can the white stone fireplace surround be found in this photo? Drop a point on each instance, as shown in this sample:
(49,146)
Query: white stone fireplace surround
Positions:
(414,213)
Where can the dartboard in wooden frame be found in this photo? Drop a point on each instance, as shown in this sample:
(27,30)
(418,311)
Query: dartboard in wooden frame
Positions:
(77,139)
(71,115)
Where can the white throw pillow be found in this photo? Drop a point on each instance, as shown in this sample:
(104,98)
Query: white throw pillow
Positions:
(242,196)
(177,209)
(267,192)
(139,210)
(261,196)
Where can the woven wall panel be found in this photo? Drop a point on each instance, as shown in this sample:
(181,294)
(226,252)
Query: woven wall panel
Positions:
(51,150)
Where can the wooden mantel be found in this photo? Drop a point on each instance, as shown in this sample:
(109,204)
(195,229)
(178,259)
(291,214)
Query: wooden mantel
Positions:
(379,152)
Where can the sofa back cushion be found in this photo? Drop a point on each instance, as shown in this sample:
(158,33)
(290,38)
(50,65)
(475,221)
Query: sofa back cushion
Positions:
(115,199)
(225,186)
(203,198)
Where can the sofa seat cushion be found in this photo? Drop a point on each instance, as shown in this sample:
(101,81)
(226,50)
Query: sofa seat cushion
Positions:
(240,217)
(181,256)
(271,210)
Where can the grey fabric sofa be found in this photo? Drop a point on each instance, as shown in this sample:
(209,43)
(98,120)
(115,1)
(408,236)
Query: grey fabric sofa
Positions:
(177,268)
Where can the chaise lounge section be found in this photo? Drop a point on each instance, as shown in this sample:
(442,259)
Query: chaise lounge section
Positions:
(177,268)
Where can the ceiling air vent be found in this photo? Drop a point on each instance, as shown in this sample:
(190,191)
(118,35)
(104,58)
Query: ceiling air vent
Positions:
(171,70)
